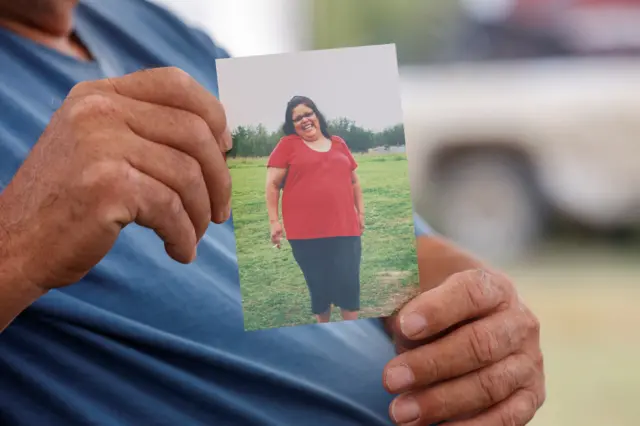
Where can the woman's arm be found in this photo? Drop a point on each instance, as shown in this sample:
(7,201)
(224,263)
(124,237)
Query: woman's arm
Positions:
(357,193)
(275,176)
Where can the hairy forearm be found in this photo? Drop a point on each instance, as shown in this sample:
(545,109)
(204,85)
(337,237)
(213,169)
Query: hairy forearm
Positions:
(273,200)
(15,297)
(16,293)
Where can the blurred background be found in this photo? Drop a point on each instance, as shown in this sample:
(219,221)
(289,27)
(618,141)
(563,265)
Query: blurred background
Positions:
(522,120)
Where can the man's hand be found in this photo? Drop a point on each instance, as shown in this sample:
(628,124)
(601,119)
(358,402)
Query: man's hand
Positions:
(145,148)
(472,356)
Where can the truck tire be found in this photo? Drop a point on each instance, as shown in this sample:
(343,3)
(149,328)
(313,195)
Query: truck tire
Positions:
(488,203)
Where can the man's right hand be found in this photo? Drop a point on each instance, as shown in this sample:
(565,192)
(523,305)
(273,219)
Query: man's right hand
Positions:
(145,148)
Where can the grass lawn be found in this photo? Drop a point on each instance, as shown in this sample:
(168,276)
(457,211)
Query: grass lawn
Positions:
(273,289)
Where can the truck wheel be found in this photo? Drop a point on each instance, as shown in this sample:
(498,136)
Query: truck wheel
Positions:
(488,203)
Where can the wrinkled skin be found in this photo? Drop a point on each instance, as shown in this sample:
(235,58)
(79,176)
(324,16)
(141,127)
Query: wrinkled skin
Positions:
(468,348)
(118,151)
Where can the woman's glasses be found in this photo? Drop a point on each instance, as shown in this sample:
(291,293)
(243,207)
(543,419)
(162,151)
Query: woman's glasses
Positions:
(299,118)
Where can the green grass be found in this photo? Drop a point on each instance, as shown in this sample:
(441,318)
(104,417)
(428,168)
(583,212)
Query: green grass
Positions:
(273,289)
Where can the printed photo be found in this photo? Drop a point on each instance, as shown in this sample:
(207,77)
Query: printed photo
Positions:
(321,198)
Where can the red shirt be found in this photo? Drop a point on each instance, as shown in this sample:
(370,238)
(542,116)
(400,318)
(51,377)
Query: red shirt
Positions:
(317,200)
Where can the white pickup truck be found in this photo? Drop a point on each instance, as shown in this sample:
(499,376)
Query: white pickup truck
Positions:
(498,149)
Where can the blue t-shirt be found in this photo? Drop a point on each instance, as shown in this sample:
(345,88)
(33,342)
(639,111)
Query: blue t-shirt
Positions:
(144,340)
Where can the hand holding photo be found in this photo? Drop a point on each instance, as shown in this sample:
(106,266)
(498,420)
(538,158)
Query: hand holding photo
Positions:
(321,198)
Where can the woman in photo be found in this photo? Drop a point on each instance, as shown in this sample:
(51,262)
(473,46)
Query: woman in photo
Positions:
(322,208)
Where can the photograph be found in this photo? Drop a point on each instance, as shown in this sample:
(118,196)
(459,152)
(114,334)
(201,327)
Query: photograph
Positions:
(321,200)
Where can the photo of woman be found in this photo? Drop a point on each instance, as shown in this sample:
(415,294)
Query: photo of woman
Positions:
(323,216)
(308,173)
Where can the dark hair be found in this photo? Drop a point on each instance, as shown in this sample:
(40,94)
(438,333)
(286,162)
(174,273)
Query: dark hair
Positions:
(289,128)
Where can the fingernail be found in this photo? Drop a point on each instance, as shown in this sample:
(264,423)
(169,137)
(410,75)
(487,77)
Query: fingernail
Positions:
(224,214)
(399,378)
(412,324)
(222,217)
(405,410)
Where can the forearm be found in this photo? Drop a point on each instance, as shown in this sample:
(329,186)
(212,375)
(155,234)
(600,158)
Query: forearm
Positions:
(357,197)
(273,200)
(16,293)
(15,297)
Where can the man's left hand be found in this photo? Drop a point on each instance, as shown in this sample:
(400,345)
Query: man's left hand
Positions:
(470,355)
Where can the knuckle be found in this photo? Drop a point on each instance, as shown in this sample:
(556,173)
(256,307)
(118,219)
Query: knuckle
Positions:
(530,402)
(479,289)
(500,383)
(533,324)
(179,78)
(542,396)
(487,383)
(538,361)
(514,335)
(430,369)
(507,418)
(80,89)
(441,405)
(509,375)
(225,181)
(200,132)
(172,202)
(92,105)
(529,372)
(163,199)
(521,409)
(101,175)
(513,330)
(502,286)
(192,172)
(482,343)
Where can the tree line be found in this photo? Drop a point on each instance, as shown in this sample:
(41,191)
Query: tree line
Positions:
(423,31)
(258,141)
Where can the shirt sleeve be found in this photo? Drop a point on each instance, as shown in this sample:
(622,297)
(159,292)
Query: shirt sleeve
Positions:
(280,156)
(347,151)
